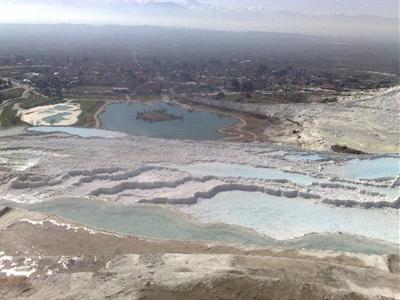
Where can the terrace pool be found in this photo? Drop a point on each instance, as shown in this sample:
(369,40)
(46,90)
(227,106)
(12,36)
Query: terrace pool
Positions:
(235,170)
(79,131)
(245,171)
(54,119)
(286,218)
(160,223)
(367,168)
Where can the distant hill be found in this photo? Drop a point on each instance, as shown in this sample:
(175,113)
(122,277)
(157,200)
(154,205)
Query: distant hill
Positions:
(66,39)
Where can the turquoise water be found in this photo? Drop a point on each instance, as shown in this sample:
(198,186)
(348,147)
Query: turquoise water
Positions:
(284,218)
(195,125)
(232,170)
(156,222)
(62,107)
(56,118)
(367,168)
(82,132)
(303,156)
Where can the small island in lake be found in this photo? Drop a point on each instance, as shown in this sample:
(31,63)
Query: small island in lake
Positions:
(158,115)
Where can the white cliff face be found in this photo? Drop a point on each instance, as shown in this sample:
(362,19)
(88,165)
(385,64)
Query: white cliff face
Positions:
(366,121)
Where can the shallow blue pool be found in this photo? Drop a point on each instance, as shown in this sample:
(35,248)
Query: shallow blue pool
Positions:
(79,131)
(367,168)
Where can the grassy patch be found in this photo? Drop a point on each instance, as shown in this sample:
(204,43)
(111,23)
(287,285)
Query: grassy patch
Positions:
(92,92)
(37,100)
(83,97)
(89,108)
(233,98)
(10,94)
(90,89)
(9,118)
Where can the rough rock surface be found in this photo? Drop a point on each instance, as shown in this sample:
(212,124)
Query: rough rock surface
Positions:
(365,121)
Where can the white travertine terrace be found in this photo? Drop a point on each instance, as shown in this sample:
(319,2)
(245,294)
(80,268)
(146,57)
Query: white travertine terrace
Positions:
(133,170)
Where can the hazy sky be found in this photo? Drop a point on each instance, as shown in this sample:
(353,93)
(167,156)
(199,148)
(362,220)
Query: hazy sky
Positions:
(358,18)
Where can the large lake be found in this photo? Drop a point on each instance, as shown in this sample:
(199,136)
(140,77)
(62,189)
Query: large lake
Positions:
(195,125)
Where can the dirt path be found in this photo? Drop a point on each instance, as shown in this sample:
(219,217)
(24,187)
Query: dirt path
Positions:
(237,132)
(97,114)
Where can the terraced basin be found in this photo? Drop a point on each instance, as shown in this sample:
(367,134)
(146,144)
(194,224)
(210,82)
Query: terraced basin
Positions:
(285,218)
(82,132)
(367,168)
(235,170)
(158,222)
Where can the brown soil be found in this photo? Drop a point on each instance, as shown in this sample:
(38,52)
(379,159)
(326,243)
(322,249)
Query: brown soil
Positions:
(244,288)
(345,149)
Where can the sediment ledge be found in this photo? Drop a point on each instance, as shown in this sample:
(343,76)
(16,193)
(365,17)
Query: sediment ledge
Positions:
(28,182)
(93,172)
(147,185)
(4,210)
(276,187)
(367,204)
(116,177)
(345,149)
(228,188)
